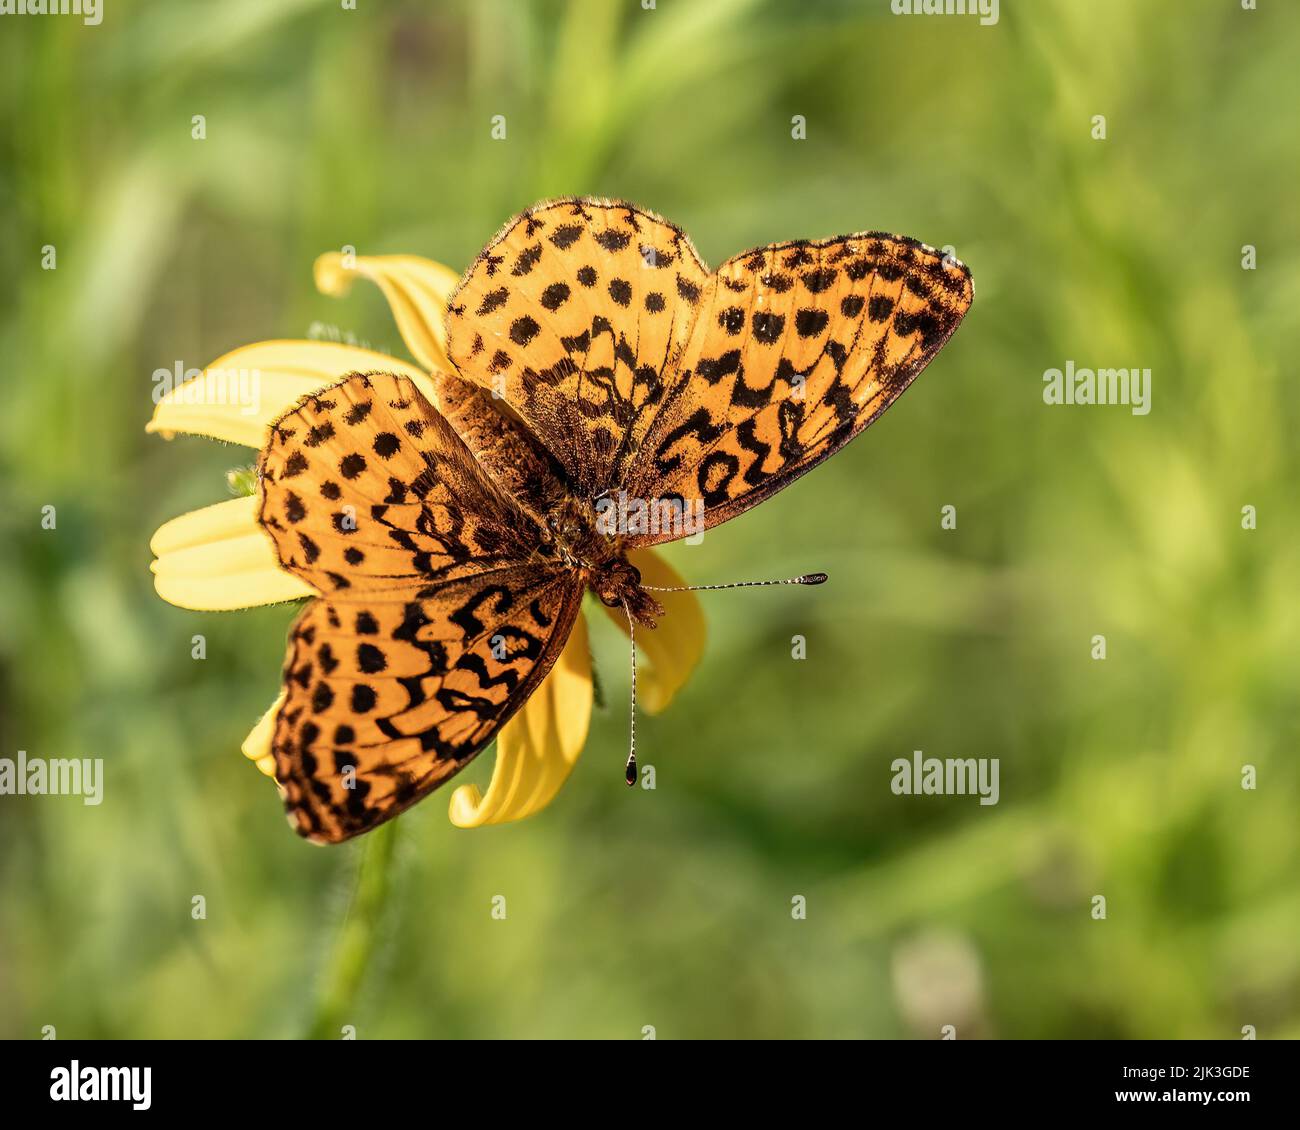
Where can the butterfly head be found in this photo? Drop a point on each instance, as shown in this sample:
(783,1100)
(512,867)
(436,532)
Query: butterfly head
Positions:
(618,584)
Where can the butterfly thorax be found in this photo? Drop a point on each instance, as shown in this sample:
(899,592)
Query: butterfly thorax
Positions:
(578,539)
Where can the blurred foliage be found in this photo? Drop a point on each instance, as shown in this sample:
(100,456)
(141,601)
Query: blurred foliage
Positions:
(671,908)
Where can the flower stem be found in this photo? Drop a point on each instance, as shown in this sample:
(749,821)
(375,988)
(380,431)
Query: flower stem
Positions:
(336,1002)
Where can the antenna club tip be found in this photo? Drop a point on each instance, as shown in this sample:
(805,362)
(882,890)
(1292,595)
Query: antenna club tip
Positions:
(813,579)
(630,775)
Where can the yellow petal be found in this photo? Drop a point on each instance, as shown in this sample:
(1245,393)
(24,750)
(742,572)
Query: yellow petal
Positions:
(417,291)
(240,394)
(219,558)
(538,747)
(672,649)
(257,746)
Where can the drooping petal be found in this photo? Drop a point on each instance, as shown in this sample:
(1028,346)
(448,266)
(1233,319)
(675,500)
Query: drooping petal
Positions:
(239,395)
(417,291)
(257,746)
(219,558)
(674,647)
(538,747)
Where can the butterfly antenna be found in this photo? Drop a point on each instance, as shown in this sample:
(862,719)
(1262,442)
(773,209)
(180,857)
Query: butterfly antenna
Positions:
(629,772)
(806,579)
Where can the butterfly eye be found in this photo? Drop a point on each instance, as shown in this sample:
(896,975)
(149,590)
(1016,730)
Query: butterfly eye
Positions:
(610,601)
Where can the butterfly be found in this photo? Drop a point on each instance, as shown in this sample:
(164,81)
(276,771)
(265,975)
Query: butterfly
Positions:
(596,357)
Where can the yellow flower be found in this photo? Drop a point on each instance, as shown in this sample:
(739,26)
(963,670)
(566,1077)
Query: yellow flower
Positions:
(220,558)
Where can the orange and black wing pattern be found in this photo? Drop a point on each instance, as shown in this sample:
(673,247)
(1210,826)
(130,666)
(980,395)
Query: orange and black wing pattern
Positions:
(576,316)
(796,349)
(437,618)
(598,325)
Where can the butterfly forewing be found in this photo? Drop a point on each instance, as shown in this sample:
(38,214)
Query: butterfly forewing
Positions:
(438,617)
(576,315)
(796,349)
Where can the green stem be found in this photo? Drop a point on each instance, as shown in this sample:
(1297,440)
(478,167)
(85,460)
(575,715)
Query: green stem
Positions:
(336,1002)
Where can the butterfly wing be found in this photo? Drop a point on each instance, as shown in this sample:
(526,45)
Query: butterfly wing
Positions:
(437,618)
(576,316)
(366,486)
(796,349)
(389,697)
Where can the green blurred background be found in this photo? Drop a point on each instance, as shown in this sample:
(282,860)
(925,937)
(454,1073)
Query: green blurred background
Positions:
(672,908)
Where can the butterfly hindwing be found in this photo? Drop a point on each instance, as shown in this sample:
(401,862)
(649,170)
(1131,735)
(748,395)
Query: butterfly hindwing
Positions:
(576,315)
(796,349)
(390,696)
(438,618)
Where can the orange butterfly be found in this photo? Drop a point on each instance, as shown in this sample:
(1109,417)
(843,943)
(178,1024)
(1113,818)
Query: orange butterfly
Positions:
(609,391)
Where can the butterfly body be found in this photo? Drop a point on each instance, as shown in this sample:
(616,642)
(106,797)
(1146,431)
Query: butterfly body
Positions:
(599,558)
(595,355)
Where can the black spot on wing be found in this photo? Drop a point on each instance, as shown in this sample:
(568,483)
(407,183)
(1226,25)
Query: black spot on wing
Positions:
(492,300)
(527,260)
(880,308)
(821,279)
(809,322)
(732,320)
(566,235)
(613,240)
(555,296)
(523,330)
(768,326)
